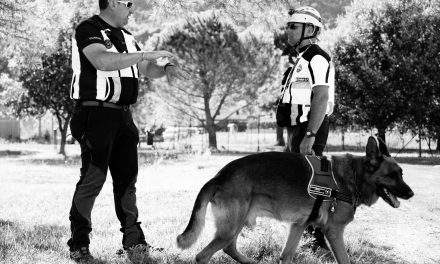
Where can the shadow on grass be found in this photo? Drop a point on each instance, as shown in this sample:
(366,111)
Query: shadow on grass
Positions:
(17,240)
(6,223)
(148,157)
(41,237)
(96,261)
(364,252)
(419,161)
(144,157)
(367,252)
(360,252)
(48,238)
(69,161)
(151,158)
(15,153)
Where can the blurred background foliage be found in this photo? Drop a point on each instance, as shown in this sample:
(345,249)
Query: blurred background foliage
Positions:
(386,55)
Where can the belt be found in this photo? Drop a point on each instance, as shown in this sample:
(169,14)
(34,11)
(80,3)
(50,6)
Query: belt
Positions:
(104,104)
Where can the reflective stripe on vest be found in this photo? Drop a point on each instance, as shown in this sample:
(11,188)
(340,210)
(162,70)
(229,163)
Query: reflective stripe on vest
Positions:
(297,90)
(107,82)
(76,67)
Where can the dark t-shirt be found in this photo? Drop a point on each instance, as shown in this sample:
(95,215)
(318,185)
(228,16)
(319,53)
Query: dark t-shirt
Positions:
(89,32)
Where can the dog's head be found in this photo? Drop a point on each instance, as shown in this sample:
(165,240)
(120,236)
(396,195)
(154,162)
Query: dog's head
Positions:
(384,174)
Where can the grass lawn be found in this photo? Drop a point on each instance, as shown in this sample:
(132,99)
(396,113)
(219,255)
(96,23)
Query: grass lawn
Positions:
(36,190)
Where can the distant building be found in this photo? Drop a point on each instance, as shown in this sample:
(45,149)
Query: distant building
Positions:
(9,128)
(26,128)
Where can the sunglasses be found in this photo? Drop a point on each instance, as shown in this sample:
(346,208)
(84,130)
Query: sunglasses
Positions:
(128,4)
(291,25)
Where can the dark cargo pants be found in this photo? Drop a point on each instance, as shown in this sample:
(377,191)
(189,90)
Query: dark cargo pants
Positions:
(108,139)
(296,134)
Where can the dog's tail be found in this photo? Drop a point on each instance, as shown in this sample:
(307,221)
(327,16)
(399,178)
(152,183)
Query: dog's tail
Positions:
(197,220)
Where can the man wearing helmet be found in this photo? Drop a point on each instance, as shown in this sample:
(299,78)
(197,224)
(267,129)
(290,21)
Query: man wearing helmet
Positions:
(307,90)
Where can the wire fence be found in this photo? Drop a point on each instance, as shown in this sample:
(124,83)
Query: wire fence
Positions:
(254,140)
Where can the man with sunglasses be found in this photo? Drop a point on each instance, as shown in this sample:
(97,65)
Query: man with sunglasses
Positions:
(307,91)
(106,62)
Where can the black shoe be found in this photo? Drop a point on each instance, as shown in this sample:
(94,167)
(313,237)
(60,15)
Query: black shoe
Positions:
(81,255)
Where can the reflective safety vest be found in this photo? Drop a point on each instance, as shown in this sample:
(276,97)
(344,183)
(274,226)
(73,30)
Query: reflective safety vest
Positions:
(108,83)
(313,67)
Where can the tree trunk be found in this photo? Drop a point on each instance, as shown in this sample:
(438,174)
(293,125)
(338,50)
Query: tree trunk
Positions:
(420,141)
(63,125)
(39,128)
(343,139)
(280,137)
(210,126)
(381,134)
(438,142)
(63,139)
(212,137)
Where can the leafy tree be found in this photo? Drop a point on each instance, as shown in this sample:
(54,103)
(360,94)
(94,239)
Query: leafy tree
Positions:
(386,73)
(10,19)
(329,9)
(10,90)
(32,30)
(416,45)
(242,13)
(226,70)
(48,87)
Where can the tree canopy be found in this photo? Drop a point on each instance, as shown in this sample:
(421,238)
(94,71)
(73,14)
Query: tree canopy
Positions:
(47,88)
(228,71)
(385,76)
(386,56)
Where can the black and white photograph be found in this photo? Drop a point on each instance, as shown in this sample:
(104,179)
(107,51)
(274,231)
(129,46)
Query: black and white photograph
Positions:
(219,132)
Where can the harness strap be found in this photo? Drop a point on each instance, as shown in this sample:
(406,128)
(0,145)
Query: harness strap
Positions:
(342,196)
(315,210)
(319,199)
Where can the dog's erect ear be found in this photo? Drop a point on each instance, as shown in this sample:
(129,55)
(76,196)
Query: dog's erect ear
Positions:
(373,152)
(383,148)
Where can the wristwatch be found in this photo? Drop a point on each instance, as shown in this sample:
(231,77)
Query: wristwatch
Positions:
(310,134)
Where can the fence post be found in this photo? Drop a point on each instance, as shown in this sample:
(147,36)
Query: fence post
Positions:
(55,138)
(258,134)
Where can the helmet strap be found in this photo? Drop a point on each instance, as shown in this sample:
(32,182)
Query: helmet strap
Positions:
(300,39)
(315,33)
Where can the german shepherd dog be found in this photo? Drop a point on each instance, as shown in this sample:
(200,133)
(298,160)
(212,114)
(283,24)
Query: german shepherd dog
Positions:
(274,184)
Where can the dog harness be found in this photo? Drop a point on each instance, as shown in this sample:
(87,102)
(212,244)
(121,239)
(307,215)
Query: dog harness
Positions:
(323,186)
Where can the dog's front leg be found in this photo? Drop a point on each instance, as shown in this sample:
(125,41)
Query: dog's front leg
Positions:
(335,237)
(295,233)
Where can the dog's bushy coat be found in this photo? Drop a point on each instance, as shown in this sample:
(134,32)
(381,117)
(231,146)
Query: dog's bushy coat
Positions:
(274,184)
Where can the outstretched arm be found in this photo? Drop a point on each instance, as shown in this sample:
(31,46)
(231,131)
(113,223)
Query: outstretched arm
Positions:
(103,60)
(172,70)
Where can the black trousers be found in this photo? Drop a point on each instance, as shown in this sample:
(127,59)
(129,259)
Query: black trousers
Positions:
(296,134)
(108,139)
(294,137)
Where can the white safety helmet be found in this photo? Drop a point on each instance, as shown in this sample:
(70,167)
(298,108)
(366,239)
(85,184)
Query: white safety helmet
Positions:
(305,14)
